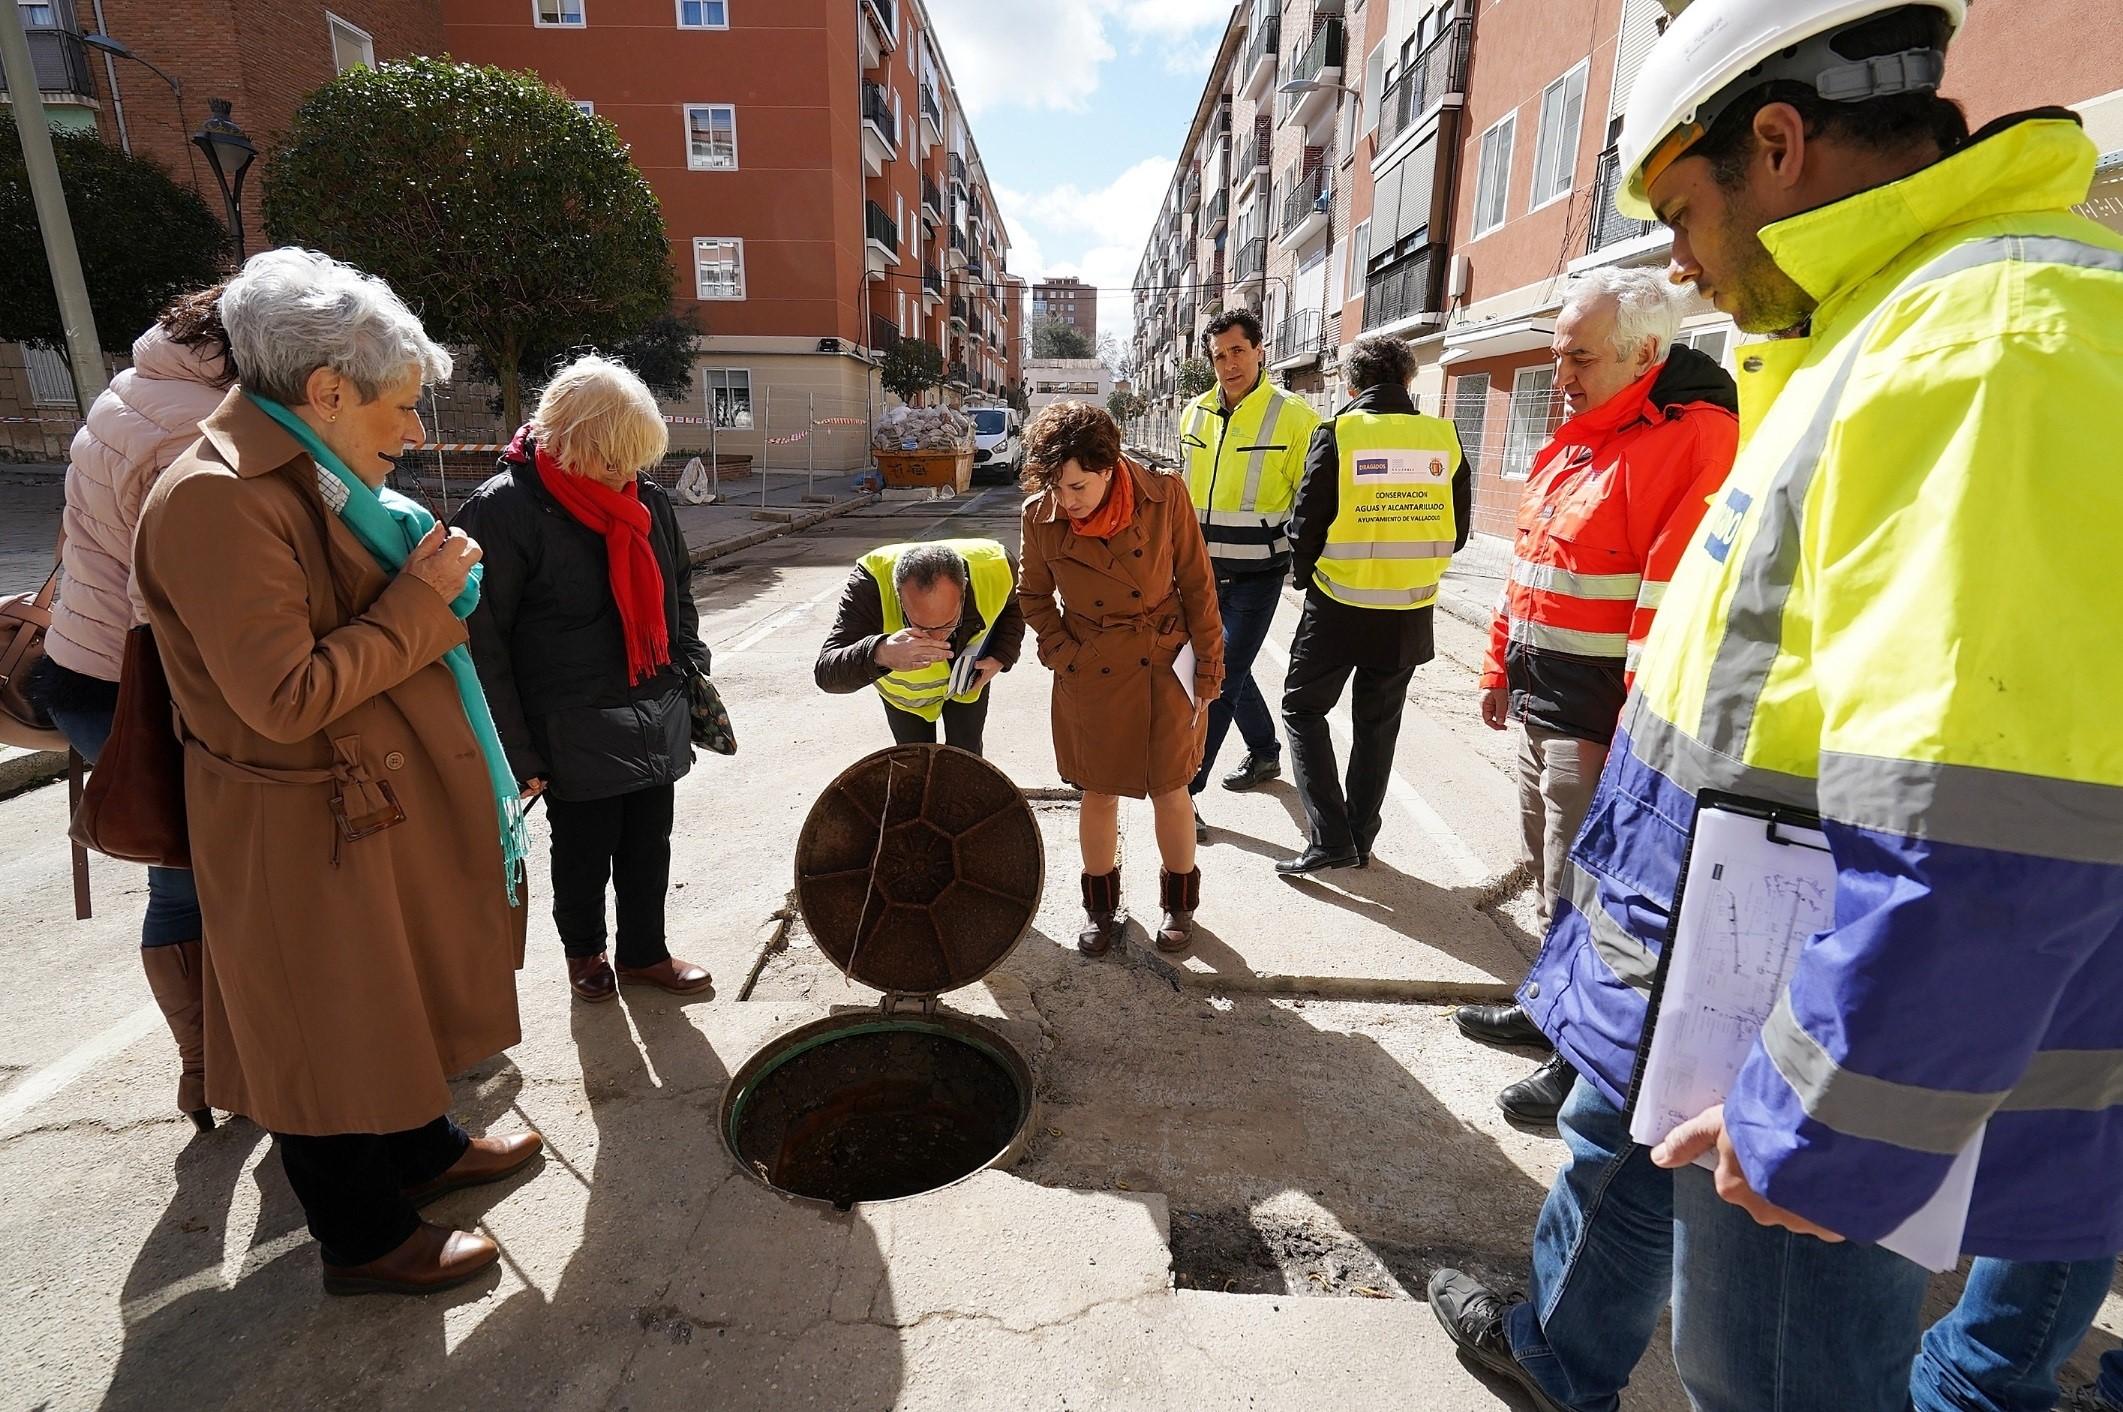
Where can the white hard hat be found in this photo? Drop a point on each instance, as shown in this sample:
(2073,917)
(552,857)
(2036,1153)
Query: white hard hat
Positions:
(1718,50)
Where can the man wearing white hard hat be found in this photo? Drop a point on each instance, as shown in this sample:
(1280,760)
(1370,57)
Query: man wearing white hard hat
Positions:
(1928,471)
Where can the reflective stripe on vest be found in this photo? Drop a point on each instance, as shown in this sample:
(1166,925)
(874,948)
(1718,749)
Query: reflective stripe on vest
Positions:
(1548,578)
(1554,639)
(1243,516)
(922,691)
(1394,529)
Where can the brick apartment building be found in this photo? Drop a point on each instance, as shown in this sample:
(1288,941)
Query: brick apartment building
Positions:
(822,192)
(262,56)
(1067,300)
(1468,159)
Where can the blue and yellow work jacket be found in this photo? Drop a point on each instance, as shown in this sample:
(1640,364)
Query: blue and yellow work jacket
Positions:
(1901,611)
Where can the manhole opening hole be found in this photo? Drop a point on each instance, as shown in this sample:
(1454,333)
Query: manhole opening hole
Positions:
(876,1110)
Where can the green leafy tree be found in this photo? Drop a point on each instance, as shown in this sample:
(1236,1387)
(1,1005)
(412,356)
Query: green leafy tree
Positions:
(1195,378)
(662,355)
(912,367)
(1125,407)
(1052,338)
(143,239)
(514,222)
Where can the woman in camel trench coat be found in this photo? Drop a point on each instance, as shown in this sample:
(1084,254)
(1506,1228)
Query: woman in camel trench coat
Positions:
(1115,583)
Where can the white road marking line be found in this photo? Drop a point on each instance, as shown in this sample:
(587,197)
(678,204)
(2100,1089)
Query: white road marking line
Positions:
(1402,793)
(39,1086)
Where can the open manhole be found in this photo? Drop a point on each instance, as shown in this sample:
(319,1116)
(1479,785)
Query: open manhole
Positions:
(917,871)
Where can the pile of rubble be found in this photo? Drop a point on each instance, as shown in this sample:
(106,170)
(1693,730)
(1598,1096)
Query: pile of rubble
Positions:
(922,429)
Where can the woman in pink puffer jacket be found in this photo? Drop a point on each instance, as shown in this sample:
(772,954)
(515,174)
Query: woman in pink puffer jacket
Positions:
(149,416)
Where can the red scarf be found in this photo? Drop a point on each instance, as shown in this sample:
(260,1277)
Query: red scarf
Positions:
(1118,511)
(637,579)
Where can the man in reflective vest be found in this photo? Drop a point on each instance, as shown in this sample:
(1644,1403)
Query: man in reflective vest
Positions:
(1613,499)
(1386,500)
(1244,442)
(1918,530)
(929,625)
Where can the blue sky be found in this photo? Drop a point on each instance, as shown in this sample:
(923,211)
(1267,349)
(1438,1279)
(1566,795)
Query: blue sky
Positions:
(1078,107)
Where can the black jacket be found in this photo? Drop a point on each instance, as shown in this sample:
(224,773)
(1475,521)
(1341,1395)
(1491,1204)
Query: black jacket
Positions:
(1388,638)
(848,663)
(551,654)
(1582,696)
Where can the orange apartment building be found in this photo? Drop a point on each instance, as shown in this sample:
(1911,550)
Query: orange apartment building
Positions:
(1472,169)
(262,56)
(820,186)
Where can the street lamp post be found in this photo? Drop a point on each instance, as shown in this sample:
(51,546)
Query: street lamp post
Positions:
(230,153)
(112,48)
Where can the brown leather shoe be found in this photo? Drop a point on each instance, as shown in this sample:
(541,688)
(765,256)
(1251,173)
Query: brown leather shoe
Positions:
(671,974)
(432,1258)
(488,1159)
(590,977)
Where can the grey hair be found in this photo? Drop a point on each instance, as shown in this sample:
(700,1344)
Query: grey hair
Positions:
(292,311)
(1646,305)
(1379,361)
(924,565)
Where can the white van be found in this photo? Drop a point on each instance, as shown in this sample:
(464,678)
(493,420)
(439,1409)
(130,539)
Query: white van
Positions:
(998,443)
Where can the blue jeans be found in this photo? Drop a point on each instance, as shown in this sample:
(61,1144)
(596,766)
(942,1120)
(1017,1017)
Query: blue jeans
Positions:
(2003,1344)
(1762,1317)
(1248,605)
(1602,1261)
(172,897)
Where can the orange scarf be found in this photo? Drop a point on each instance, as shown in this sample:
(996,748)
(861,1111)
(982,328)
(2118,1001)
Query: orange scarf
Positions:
(1118,511)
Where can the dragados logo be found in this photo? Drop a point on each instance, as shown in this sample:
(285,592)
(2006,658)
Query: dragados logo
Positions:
(1372,466)
(1724,524)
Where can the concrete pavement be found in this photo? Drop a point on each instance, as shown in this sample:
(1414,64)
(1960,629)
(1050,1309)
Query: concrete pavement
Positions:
(1242,1168)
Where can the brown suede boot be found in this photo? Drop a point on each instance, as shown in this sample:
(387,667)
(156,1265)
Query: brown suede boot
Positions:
(1102,923)
(173,974)
(1180,893)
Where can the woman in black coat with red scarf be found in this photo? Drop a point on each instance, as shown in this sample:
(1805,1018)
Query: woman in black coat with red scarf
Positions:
(584,636)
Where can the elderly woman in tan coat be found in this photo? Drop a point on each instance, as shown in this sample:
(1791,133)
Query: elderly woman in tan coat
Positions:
(356,835)
(1117,587)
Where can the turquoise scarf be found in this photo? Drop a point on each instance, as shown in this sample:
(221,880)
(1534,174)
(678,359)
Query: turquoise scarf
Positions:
(389,526)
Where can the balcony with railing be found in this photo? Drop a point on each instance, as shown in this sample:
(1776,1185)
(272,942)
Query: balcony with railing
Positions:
(1216,213)
(932,283)
(957,168)
(1261,54)
(1609,226)
(932,118)
(57,57)
(880,237)
(880,133)
(1298,339)
(1252,259)
(1436,74)
(1190,191)
(880,32)
(1406,291)
(884,334)
(932,201)
(1308,205)
(1253,158)
(961,311)
(1321,65)
(956,375)
(956,257)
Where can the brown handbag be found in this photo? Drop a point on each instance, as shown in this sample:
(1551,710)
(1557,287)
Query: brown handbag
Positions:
(133,807)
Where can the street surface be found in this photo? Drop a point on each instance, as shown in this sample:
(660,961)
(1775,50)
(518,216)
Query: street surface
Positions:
(1243,1167)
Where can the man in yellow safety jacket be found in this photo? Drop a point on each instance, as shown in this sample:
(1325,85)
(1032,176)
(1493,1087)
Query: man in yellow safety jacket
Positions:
(1899,616)
(1385,502)
(929,625)
(1244,445)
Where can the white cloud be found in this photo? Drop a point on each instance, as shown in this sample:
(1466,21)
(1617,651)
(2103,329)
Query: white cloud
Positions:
(1111,223)
(1050,54)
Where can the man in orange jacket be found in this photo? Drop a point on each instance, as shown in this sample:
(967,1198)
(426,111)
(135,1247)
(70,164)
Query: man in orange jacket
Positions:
(1610,504)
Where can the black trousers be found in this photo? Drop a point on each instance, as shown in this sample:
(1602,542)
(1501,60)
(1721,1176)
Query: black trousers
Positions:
(1343,817)
(352,1185)
(964,723)
(624,841)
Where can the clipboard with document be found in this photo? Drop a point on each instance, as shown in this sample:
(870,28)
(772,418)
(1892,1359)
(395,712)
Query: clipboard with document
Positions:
(1756,884)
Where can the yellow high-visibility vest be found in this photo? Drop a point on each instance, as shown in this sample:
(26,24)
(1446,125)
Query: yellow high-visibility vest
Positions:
(1393,533)
(922,691)
(1243,470)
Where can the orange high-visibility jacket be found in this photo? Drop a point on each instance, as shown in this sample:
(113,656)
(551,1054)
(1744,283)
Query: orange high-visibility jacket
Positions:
(1611,502)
